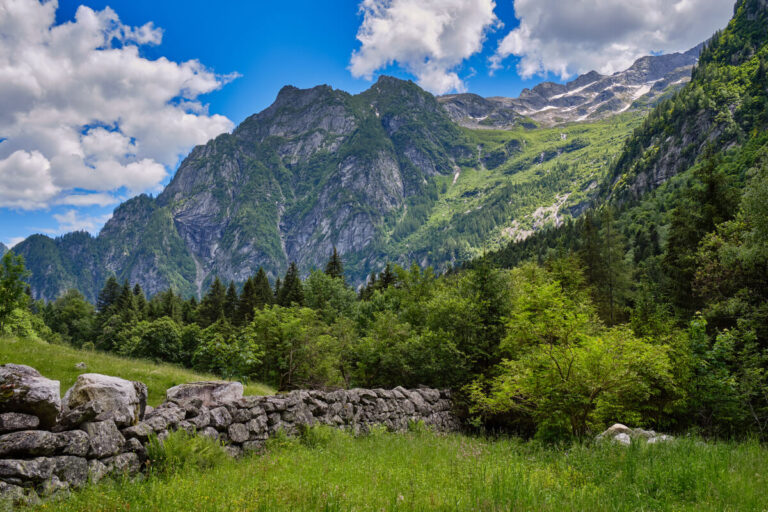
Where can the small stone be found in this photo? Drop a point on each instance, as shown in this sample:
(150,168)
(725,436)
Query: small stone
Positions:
(73,442)
(238,433)
(34,470)
(233,451)
(622,438)
(211,393)
(123,464)
(220,418)
(72,470)
(135,446)
(210,432)
(96,470)
(81,366)
(28,443)
(140,431)
(106,440)
(10,492)
(13,421)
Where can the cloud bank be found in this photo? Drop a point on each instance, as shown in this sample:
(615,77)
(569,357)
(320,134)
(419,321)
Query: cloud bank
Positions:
(573,37)
(428,38)
(83,115)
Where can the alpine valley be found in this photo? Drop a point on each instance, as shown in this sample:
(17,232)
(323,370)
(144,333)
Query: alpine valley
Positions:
(389,175)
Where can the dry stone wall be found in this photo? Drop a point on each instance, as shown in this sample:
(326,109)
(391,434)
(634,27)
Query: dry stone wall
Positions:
(103,424)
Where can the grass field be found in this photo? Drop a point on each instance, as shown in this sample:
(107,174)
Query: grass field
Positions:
(424,471)
(58,362)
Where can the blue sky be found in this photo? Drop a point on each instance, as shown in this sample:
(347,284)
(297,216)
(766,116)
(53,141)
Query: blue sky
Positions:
(269,44)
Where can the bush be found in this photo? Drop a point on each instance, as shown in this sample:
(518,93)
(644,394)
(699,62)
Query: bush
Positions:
(181,450)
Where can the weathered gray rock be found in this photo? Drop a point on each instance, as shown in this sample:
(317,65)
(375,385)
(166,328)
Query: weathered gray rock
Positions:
(73,418)
(96,470)
(13,421)
(238,433)
(220,418)
(81,366)
(26,471)
(120,400)
(73,442)
(28,443)
(210,432)
(211,393)
(140,431)
(24,390)
(105,439)
(10,492)
(622,434)
(70,469)
(123,464)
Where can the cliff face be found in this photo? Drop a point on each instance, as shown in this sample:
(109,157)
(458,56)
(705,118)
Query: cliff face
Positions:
(318,168)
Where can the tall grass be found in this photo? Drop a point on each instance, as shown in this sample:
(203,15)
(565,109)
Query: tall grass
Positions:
(333,471)
(58,362)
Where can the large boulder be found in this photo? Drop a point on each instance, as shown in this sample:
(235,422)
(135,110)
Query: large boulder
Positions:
(24,390)
(622,434)
(211,393)
(96,397)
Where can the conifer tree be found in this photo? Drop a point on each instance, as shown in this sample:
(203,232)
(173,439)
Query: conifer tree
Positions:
(108,295)
(212,306)
(12,273)
(141,301)
(386,278)
(246,302)
(278,288)
(262,290)
(231,302)
(126,301)
(335,267)
(291,291)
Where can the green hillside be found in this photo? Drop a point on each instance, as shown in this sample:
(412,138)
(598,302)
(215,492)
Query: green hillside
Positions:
(58,362)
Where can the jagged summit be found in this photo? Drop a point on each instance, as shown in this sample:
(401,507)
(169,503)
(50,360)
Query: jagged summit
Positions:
(588,97)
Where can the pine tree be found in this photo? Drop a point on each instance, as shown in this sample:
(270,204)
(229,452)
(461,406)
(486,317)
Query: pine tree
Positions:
(278,290)
(231,302)
(108,295)
(126,301)
(614,285)
(212,306)
(262,290)
(335,267)
(246,303)
(292,291)
(386,278)
(12,273)
(141,301)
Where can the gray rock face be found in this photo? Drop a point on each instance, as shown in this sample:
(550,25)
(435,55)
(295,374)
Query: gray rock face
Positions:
(24,390)
(588,97)
(120,400)
(12,421)
(105,439)
(210,393)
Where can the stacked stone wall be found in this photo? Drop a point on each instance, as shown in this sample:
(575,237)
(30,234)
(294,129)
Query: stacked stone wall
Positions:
(105,431)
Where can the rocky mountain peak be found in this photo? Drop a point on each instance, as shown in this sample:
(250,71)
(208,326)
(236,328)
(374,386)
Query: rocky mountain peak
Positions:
(588,97)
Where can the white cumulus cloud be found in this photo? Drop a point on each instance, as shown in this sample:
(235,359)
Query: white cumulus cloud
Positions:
(573,37)
(72,220)
(429,38)
(84,115)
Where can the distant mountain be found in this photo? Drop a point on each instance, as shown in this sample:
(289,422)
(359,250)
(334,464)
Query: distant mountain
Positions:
(3,249)
(590,96)
(384,175)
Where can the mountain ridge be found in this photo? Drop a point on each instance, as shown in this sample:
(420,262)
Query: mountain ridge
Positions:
(373,174)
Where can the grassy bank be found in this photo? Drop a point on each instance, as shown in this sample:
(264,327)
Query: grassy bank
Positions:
(58,362)
(423,471)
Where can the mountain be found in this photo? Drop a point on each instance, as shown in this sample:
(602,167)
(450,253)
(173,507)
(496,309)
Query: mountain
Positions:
(3,249)
(588,97)
(384,175)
